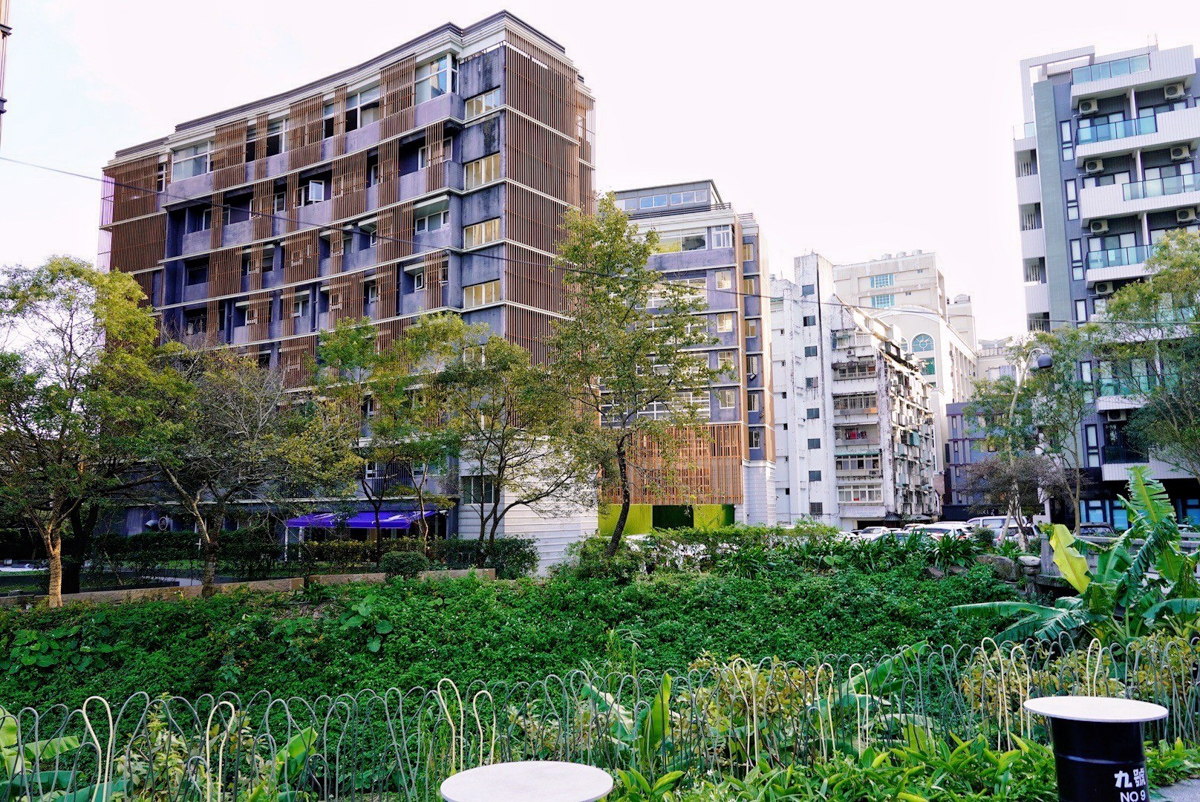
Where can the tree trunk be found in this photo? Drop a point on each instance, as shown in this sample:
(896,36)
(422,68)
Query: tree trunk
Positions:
(75,547)
(614,542)
(208,583)
(54,550)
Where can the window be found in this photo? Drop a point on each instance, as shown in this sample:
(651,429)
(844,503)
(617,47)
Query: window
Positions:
(1067,145)
(1091,442)
(483,103)
(436,78)
(300,305)
(202,219)
(160,181)
(747,251)
(197,274)
(725,361)
(929,367)
(478,490)
(193,161)
(756,438)
(810,382)
(852,494)
(750,285)
(279,203)
(883,301)
(922,343)
(808,289)
(481,233)
(362,108)
(751,327)
(814,476)
(651,201)
(424,156)
(722,237)
(691,196)
(724,322)
(724,280)
(1081,313)
(816,508)
(481,294)
(814,443)
(726,398)
(810,320)
(310,193)
(810,350)
(432,221)
(753,362)
(677,241)
(754,402)
(371,295)
(481,171)
(882,280)
(1077,260)
(1072,199)
(813,413)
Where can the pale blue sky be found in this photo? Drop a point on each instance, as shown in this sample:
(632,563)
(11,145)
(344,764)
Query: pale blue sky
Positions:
(853,129)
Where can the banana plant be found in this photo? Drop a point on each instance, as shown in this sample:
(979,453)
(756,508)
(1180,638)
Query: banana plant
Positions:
(647,737)
(1127,594)
(286,769)
(23,761)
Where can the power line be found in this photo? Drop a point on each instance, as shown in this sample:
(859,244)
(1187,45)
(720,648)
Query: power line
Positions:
(870,310)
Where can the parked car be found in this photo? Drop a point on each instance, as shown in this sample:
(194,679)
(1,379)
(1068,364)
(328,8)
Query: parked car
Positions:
(942,529)
(1096,530)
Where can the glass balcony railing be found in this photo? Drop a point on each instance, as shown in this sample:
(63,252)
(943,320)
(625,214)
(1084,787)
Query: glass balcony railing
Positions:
(1111,69)
(1123,455)
(1118,130)
(1118,257)
(1030,129)
(1130,385)
(1159,187)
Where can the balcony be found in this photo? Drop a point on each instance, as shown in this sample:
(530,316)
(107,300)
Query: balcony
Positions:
(1145,133)
(1037,298)
(1029,189)
(1033,244)
(1144,71)
(1140,197)
(1117,263)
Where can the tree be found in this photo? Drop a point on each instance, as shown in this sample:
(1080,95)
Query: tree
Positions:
(74,399)
(515,430)
(227,434)
(614,355)
(1017,484)
(1150,351)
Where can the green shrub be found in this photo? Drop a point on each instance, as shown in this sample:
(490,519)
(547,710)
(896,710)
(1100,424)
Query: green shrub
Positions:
(589,561)
(511,557)
(405,564)
(339,554)
(984,537)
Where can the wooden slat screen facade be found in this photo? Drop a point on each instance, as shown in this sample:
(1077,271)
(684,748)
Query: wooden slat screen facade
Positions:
(146,282)
(530,279)
(530,330)
(225,272)
(260,315)
(388,332)
(290,205)
(212,322)
(545,91)
(287,323)
(262,208)
(218,220)
(433,268)
(350,185)
(385,279)
(339,120)
(262,124)
(541,159)
(304,132)
(132,189)
(301,257)
(532,219)
(229,155)
(138,244)
(345,298)
(388,188)
(435,167)
(706,467)
(296,359)
(397,87)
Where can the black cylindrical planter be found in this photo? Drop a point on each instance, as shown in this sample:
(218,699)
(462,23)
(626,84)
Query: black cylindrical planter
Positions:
(1098,750)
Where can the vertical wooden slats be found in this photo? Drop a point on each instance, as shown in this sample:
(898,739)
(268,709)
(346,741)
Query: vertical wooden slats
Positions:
(385,279)
(530,330)
(345,297)
(287,323)
(292,209)
(262,207)
(229,155)
(218,220)
(262,124)
(138,244)
(296,358)
(254,278)
(433,269)
(304,132)
(541,159)
(259,313)
(397,95)
(132,189)
(539,83)
(435,169)
(301,257)
(350,185)
(704,467)
(389,172)
(388,332)
(531,280)
(532,219)
(225,272)
(212,332)
(339,120)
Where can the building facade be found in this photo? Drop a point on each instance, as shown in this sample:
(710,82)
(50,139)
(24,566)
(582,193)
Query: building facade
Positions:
(1105,166)
(855,418)
(706,244)
(432,178)
(5,32)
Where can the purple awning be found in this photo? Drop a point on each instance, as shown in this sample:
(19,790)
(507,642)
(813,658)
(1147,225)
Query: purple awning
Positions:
(388,519)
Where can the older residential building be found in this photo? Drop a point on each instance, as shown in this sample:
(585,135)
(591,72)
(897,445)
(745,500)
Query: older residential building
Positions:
(854,416)
(1105,166)
(706,244)
(431,178)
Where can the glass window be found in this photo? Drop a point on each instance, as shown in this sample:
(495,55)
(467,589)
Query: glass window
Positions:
(751,327)
(808,289)
(1091,442)
(747,251)
(754,402)
(814,476)
(481,294)
(1067,144)
(432,222)
(882,280)
(814,443)
(726,398)
(676,241)
(922,343)
(722,237)
(483,103)
(436,78)
(725,361)
(752,363)
(811,382)
(810,350)
(725,322)
(1081,313)
(750,285)
(193,161)
(756,438)
(810,320)
(813,413)
(478,490)
(423,155)
(816,508)
(1072,199)
(481,233)
(724,280)
(481,171)
(883,301)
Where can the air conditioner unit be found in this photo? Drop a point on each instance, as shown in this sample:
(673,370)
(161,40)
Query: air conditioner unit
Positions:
(1185,215)
(1090,106)
(1098,227)
(1116,415)
(1175,92)
(1104,288)
(1181,152)
(1093,165)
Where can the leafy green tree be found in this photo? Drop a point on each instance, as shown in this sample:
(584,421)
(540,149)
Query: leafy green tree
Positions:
(614,355)
(516,431)
(74,399)
(226,435)
(1150,351)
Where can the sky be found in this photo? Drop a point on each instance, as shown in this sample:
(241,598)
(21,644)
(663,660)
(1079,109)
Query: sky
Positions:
(852,129)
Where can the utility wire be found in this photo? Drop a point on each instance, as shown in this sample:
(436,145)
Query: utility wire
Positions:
(870,310)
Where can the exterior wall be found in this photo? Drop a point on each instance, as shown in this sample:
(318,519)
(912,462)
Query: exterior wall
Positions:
(366,213)
(5,30)
(916,281)
(553,528)
(1082,239)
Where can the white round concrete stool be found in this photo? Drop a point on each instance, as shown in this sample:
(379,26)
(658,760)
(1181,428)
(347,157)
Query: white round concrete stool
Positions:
(541,780)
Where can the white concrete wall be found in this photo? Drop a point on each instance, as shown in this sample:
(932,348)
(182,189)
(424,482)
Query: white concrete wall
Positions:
(552,527)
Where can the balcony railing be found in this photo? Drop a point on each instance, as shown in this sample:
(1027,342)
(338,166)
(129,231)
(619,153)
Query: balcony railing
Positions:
(1117,130)
(1118,257)
(1123,454)
(857,411)
(1134,385)
(1158,187)
(1111,69)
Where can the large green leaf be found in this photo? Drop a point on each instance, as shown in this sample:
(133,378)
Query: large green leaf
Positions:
(1073,565)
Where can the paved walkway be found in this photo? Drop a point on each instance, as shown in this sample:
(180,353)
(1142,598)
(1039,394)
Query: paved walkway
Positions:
(1186,791)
